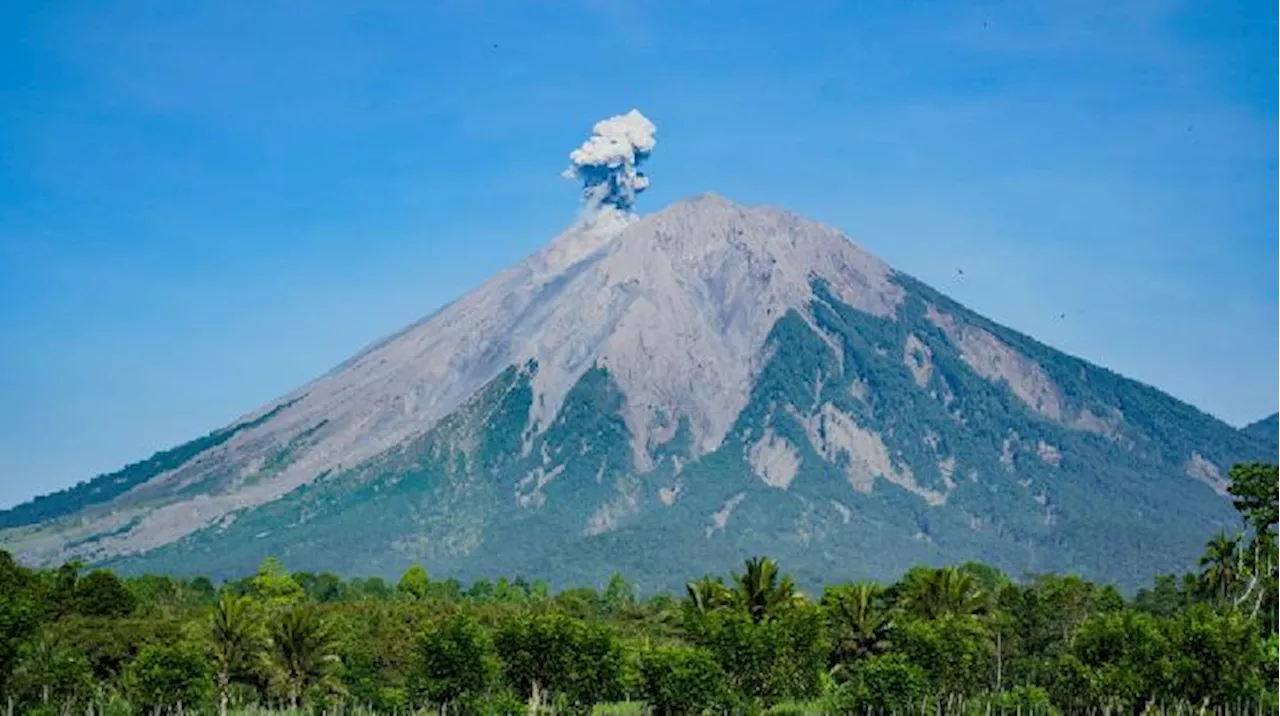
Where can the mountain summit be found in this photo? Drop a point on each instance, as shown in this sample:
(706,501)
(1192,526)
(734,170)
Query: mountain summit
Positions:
(663,395)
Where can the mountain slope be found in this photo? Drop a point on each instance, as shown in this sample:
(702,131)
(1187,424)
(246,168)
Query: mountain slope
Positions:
(1266,430)
(663,395)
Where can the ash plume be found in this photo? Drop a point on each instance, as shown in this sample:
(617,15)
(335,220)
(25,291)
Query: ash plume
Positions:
(608,163)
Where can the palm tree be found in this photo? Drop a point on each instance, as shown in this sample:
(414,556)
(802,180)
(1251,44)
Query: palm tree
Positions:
(859,622)
(707,595)
(302,648)
(1222,565)
(935,593)
(762,590)
(236,641)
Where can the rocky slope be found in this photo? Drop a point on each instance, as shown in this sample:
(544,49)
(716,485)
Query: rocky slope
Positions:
(663,395)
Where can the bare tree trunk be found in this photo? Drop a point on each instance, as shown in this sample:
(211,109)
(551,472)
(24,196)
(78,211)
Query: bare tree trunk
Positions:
(535,698)
(224,685)
(999,663)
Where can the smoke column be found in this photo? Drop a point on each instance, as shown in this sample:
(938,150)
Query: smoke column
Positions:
(607,163)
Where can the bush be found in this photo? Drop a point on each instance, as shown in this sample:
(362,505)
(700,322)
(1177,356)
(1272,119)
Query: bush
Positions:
(955,651)
(552,654)
(454,660)
(682,680)
(770,661)
(102,594)
(163,678)
(51,675)
(887,683)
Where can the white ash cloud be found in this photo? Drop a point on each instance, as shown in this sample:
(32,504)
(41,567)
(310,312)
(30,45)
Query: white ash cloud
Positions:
(608,163)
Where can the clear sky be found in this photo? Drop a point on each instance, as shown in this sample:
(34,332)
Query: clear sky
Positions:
(205,204)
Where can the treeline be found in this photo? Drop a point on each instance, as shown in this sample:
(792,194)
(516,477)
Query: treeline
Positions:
(964,639)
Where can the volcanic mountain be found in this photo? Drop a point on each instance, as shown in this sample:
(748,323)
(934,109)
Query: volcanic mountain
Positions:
(662,395)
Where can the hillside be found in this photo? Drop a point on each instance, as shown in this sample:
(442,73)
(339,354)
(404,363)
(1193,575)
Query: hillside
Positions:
(1266,430)
(666,395)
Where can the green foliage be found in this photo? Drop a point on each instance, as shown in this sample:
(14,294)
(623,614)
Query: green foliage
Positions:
(762,590)
(302,650)
(20,612)
(165,678)
(552,655)
(1254,487)
(236,643)
(708,594)
(618,594)
(455,661)
(955,640)
(1125,659)
(936,593)
(101,594)
(858,620)
(1222,565)
(767,661)
(1035,622)
(1217,657)
(889,683)
(51,673)
(274,586)
(956,651)
(683,680)
(414,584)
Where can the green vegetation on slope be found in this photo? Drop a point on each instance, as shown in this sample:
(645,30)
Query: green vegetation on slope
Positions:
(961,639)
(974,473)
(1266,429)
(481,495)
(107,487)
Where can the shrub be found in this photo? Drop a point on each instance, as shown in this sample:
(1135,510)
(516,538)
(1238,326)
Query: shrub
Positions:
(552,654)
(164,677)
(682,680)
(454,660)
(887,683)
(770,661)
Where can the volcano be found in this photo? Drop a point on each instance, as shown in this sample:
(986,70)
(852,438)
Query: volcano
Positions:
(664,395)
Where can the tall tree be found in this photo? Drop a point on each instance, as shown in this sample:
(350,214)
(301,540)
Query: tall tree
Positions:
(303,649)
(414,584)
(454,660)
(168,679)
(101,594)
(708,594)
(1221,563)
(235,641)
(935,593)
(857,620)
(1255,487)
(274,585)
(762,590)
(618,595)
(21,611)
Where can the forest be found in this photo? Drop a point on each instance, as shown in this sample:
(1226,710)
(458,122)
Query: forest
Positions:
(963,639)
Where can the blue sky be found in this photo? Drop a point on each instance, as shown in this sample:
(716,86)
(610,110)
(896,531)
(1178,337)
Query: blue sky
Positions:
(205,204)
